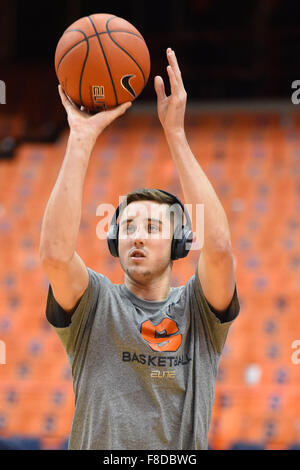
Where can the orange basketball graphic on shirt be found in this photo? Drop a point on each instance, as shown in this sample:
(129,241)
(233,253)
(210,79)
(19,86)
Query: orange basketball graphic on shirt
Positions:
(161,337)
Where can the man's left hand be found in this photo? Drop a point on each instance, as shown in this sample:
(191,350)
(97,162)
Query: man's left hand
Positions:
(171,109)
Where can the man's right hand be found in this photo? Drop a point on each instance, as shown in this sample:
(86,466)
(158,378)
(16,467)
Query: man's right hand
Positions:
(85,125)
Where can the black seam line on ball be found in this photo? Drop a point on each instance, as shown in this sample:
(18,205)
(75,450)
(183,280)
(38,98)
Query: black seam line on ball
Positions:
(90,37)
(84,62)
(124,50)
(86,39)
(105,58)
(83,66)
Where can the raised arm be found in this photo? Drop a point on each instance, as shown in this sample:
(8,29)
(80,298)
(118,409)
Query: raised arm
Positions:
(65,269)
(216,262)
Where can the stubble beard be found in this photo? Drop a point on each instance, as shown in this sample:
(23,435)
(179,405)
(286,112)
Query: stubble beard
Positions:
(138,273)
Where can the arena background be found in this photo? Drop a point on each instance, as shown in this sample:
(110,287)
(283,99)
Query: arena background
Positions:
(238,60)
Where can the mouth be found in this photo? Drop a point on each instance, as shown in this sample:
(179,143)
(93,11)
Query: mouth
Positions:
(137,254)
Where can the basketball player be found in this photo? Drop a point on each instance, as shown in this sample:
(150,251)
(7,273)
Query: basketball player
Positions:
(144,355)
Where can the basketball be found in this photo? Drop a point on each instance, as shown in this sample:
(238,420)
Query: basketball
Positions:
(102,61)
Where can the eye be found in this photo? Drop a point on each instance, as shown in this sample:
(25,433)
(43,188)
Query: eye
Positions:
(152,228)
(130,228)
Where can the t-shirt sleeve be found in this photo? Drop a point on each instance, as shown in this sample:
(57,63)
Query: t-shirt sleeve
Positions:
(216,324)
(71,328)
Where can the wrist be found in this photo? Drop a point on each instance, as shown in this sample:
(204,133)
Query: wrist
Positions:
(83,140)
(175,135)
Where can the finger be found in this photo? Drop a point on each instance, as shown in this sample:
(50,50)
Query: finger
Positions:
(117,111)
(66,103)
(66,100)
(172,59)
(173,81)
(72,102)
(159,88)
(122,108)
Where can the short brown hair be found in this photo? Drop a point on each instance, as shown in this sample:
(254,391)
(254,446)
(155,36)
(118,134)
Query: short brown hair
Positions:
(146,194)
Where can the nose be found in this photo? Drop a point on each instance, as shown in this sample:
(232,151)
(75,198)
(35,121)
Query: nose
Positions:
(140,234)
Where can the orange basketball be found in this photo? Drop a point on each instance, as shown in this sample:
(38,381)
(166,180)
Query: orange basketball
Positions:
(102,61)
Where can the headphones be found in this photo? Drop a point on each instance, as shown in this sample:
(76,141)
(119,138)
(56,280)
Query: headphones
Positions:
(181,241)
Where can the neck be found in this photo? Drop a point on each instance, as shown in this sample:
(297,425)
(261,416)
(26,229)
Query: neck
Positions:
(155,290)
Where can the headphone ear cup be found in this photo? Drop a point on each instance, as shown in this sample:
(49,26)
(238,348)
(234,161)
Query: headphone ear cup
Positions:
(113,240)
(188,237)
(174,245)
(181,241)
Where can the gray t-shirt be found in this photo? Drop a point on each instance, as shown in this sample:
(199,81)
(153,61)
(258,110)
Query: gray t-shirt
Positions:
(143,371)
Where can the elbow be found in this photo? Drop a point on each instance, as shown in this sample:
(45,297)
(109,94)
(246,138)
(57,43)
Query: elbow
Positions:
(53,256)
(219,248)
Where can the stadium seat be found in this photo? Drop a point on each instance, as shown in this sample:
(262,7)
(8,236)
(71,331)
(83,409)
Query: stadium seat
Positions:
(241,445)
(20,443)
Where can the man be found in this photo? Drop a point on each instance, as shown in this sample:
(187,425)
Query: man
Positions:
(144,355)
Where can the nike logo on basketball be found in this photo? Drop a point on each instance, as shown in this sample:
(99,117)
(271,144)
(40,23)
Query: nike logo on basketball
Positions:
(125,84)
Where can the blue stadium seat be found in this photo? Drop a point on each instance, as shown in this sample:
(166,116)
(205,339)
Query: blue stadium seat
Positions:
(20,443)
(294,446)
(243,445)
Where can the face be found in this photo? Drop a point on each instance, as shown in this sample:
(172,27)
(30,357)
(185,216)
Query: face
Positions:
(145,235)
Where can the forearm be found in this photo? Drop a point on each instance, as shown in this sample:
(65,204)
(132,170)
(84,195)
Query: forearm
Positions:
(197,189)
(61,221)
